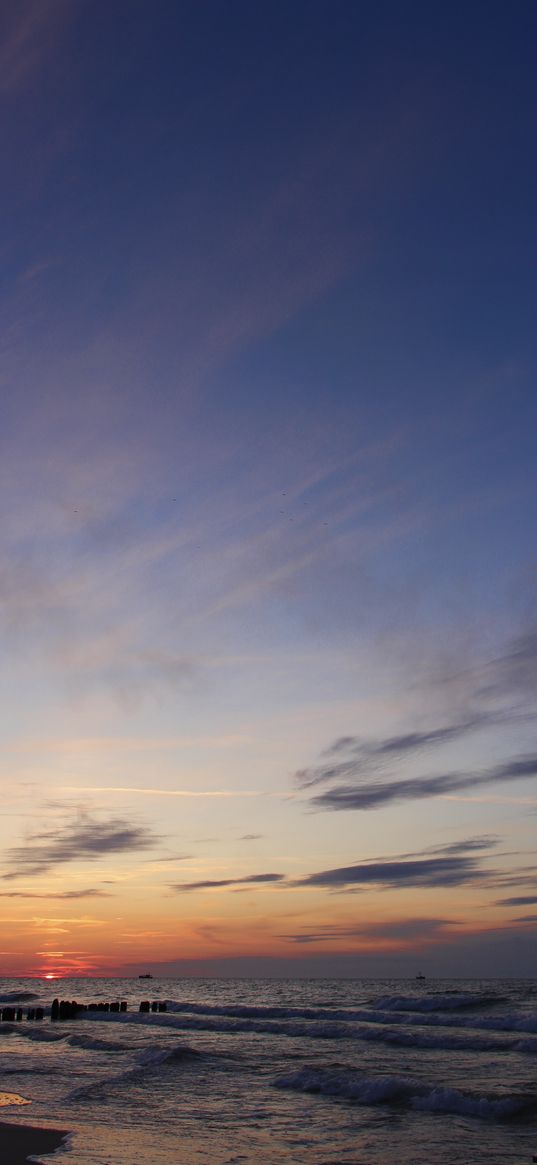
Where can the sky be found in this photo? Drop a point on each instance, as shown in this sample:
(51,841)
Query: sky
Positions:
(268,488)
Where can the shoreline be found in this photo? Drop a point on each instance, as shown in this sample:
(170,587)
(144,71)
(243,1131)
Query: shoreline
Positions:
(18,1142)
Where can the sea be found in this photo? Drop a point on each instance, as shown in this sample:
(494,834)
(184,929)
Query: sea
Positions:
(278,1071)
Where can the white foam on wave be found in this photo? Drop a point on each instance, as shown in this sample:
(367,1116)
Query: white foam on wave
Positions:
(370,1090)
(92,1044)
(444,1041)
(451,1100)
(18,996)
(246,1011)
(152,1057)
(451,1001)
(398,1029)
(528,1045)
(364,1090)
(504,1022)
(223,1024)
(410,1025)
(511,1022)
(389,1010)
(43,1035)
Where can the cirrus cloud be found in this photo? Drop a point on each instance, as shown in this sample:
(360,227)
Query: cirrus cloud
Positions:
(373,794)
(252,879)
(84,839)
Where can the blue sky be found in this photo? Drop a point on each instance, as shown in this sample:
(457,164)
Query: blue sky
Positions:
(268,487)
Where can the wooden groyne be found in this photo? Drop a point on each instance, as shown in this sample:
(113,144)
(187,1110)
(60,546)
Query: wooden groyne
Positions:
(62,1009)
(70,1009)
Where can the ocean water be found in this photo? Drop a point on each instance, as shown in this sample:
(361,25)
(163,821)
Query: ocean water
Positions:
(280,1072)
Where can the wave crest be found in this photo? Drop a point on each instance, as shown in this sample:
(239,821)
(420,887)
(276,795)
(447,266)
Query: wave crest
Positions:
(401,1090)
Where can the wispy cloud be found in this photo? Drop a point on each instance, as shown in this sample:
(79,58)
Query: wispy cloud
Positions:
(523,900)
(374,794)
(521,876)
(514,671)
(252,879)
(65,894)
(162,792)
(32,29)
(437,872)
(296,243)
(500,693)
(362,755)
(453,864)
(403,930)
(85,839)
(469,845)
(110,744)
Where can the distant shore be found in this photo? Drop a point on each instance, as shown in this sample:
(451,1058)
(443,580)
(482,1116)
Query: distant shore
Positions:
(18,1142)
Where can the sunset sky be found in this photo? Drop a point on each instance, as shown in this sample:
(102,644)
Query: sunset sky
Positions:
(268,428)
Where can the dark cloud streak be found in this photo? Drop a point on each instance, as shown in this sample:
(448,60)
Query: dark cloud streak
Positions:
(253,879)
(497,692)
(84,840)
(404,929)
(373,794)
(524,900)
(437,872)
(65,894)
(365,755)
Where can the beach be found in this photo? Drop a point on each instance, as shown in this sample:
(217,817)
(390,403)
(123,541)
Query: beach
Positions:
(301,1072)
(18,1142)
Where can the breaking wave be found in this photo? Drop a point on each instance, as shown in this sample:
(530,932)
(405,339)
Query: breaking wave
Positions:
(404,1091)
(18,996)
(390,1027)
(451,1001)
(149,1058)
(154,1056)
(41,1035)
(97,1045)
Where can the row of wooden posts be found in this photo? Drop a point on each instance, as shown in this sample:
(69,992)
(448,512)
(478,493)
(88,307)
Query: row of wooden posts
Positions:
(69,1009)
(64,1009)
(14,1014)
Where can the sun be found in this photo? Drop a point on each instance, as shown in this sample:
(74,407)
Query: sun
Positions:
(50,976)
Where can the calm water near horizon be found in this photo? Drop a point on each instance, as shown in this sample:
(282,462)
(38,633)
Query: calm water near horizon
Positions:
(280,1072)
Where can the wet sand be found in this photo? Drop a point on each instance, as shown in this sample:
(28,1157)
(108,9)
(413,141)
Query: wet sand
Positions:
(17,1142)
